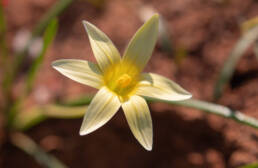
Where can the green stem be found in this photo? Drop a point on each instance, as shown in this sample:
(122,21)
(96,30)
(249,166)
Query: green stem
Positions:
(26,144)
(77,108)
(214,109)
(208,107)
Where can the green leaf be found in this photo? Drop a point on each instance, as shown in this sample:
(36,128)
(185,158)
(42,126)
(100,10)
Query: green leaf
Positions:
(28,118)
(49,36)
(26,144)
(53,12)
(3,47)
(3,51)
(80,101)
(228,69)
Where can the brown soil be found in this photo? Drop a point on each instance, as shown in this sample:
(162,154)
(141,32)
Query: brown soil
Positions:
(183,137)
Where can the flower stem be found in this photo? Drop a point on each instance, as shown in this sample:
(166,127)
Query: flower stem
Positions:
(77,108)
(214,109)
(207,107)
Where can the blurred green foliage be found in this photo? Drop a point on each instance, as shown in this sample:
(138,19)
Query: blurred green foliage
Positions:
(248,38)
(20,119)
(253,165)
(15,117)
(47,39)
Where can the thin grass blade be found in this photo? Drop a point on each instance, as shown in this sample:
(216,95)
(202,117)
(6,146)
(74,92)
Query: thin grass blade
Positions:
(3,47)
(53,12)
(228,68)
(49,36)
(26,144)
(28,118)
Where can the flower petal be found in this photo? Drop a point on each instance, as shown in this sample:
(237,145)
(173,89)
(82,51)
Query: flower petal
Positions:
(142,44)
(102,108)
(159,87)
(80,71)
(139,119)
(104,50)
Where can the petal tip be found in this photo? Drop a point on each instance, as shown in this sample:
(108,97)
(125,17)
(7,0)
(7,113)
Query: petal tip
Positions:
(84,132)
(54,64)
(187,95)
(57,64)
(86,129)
(155,16)
(190,96)
(87,25)
(148,148)
(182,97)
(84,21)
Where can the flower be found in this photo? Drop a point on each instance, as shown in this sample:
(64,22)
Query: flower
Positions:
(121,82)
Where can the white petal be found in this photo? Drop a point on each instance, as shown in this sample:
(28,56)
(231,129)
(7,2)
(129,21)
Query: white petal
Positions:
(142,44)
(104,50)
(80,71)
(139,119)
(102,108)
(159,87)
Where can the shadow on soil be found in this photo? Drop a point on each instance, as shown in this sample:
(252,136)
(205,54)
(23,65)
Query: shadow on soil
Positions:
(177,143)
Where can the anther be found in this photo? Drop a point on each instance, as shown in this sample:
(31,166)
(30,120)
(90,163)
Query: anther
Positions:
(124,80)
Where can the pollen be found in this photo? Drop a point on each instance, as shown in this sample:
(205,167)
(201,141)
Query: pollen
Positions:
(124,81)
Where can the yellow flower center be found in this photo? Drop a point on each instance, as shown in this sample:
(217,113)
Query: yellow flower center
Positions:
(121,79)
(124,80)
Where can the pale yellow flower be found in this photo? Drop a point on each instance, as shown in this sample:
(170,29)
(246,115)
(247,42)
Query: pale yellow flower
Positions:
(121,82)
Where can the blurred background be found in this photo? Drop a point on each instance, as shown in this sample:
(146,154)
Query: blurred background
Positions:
(196,38)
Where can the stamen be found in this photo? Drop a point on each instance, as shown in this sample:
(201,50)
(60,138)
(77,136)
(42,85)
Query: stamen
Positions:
(124,80)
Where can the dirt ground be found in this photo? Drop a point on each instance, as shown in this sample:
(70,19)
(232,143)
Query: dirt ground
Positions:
(183,138)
